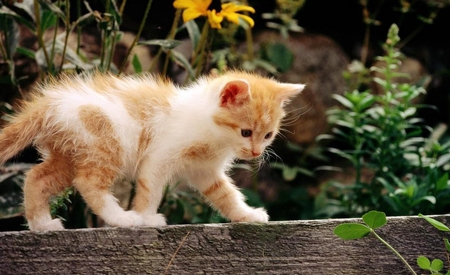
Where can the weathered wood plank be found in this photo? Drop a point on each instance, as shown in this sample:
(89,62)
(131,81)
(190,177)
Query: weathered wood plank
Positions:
(297,247)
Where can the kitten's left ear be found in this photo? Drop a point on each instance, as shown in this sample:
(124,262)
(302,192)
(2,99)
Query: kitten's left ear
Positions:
(288,90)
(235,93)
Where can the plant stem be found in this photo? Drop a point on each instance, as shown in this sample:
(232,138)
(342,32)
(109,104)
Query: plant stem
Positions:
(114,41)
(395,252)
(201,43)
(202,48)
(55,33)
(365,47)
(155,60)
(249,38)
(2,46)
(171,35)
(78,29)
(105,41)
(141,27)
(37,14)
(122,7)
(66,39)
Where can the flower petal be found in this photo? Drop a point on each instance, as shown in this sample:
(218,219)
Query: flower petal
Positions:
(232,17)
(190,14)
(215,19)
(183,4)
(247,19)
(194,4)
(231,7)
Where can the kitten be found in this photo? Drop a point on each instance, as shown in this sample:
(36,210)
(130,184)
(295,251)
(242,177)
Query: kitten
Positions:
(94,130)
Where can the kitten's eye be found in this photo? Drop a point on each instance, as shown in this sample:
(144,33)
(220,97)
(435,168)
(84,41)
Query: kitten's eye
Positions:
(268,135)
(246,133)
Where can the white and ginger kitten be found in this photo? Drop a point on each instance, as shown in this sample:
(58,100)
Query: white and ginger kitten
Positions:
(95,130)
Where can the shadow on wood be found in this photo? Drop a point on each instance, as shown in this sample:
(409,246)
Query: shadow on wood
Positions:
(294,247)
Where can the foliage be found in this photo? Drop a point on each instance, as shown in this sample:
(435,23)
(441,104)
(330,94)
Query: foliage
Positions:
(185,206)
(284,13)
(374,220)
(380,133)
(11,182)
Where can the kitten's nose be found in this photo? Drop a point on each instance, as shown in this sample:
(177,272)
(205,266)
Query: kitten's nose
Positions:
(255,153)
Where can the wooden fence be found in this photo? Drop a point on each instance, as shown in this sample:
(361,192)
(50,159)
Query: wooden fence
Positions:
(292,247)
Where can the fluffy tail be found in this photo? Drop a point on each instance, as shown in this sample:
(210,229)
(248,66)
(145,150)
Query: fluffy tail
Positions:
(20,132)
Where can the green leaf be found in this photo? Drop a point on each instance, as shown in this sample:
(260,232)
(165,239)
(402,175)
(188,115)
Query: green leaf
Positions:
(440,226)
(13,33)
(263,64)
(181,60)
(351,231)
(447,244)
(26,52)
(136,64)
(423,262)
(280,55)
(8,12)
(25,8)
(374,219)
(114,10)
(167,44)
(442,160)
(47,4)
(437,265)
(342,154)
(48,19)
(289,173)
(431,199)
(380,81)
(194,32)
(344,101)
(366,102)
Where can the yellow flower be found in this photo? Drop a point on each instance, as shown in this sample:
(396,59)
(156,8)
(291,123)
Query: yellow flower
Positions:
(197,8)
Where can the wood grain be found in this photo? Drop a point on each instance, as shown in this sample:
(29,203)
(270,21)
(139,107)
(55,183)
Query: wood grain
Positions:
(291,247)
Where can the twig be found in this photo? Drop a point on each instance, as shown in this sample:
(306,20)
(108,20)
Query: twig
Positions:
(176,251)
(141,27)
(41,42)
(171,35)
(66,39)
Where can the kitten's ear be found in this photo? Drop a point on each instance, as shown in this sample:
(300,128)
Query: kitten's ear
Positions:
(235,93)
(288,90)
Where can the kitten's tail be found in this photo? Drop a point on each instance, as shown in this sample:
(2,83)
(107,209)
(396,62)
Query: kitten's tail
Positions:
(21,131)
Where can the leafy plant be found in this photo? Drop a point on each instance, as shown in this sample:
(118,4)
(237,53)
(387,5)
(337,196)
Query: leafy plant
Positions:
(436,265)
(380,134)
(376,219)
(187,206)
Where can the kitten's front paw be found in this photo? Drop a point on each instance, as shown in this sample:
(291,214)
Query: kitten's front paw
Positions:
(125,219)
(255,215)
(154,220)
(45,225)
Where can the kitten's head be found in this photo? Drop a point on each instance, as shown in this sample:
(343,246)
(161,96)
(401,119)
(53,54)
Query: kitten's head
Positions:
(250,110)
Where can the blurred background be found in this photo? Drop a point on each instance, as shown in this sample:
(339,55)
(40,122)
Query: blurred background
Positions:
(369,132)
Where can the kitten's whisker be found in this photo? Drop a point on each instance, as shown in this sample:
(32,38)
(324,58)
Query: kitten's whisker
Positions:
(283,137)
(294,115)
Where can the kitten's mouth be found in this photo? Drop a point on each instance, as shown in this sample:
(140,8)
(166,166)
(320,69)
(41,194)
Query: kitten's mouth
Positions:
(249,156)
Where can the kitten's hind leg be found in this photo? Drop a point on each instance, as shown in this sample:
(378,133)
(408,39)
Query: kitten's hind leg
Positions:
(43,181)
(93,183)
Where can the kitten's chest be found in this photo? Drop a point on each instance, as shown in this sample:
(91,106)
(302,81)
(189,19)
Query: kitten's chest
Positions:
(198,152)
